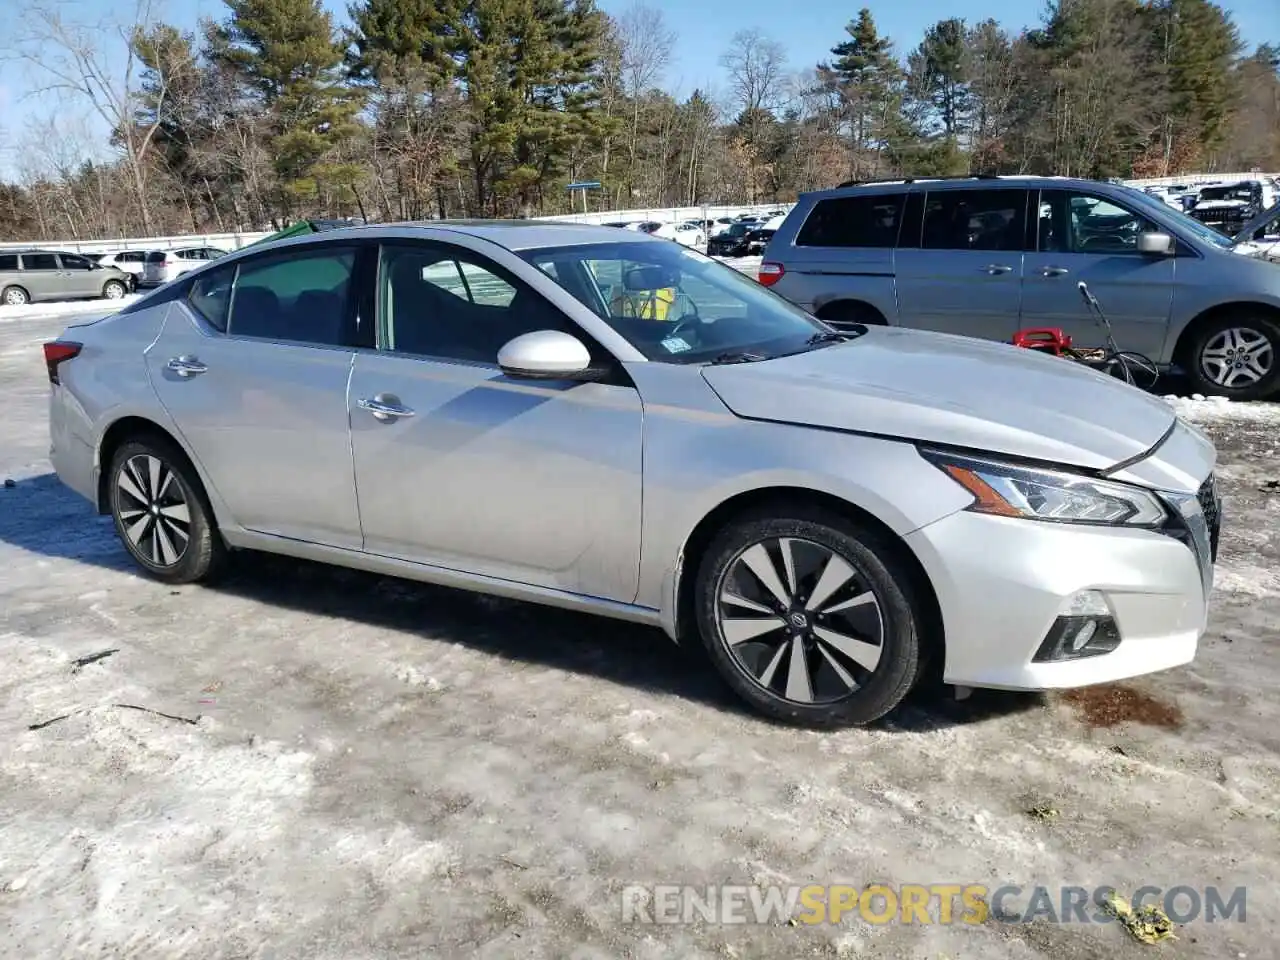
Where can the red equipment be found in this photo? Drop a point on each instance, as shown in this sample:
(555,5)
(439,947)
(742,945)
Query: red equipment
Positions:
(1049,339)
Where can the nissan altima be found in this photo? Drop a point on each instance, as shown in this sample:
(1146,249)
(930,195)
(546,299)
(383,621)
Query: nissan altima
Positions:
(611,423)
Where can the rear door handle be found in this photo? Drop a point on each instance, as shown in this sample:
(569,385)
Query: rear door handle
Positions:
(385,408)
(995,269)
(1054,272)
(187,366)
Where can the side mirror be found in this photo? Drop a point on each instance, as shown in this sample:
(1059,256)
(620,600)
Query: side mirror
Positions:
(1155,244)
(545,355)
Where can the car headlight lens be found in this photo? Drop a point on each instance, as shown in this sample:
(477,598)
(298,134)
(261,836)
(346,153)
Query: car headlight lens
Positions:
(1010,490)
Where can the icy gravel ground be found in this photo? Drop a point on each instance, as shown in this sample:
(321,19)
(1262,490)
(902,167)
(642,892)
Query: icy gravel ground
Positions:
(382,769)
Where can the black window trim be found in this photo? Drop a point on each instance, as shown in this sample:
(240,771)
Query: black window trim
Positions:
(616,376)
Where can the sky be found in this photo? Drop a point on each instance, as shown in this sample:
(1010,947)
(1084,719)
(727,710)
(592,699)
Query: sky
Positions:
(702,27)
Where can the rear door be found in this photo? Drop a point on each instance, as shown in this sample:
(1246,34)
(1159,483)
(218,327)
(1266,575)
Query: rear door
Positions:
(1085,237)
(253,367)
(963,273)
(41,276)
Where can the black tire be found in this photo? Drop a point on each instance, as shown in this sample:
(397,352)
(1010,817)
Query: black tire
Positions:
(203,552)
(14,296)
(114,289)
(877,570)
(846,313)
(1214,335)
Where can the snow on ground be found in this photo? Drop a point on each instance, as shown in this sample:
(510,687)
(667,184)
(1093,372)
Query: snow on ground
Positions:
(64,308)
(1202,410)
(380,769)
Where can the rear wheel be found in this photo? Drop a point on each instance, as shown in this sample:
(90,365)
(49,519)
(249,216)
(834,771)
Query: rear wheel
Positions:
(161,512)
(846,313)
(1236,356)
(14,296)
(809,618)
(113,290)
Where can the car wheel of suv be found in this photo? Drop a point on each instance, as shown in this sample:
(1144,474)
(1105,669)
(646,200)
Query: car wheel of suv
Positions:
(809,618)
(1237,356)
(844,314)
(161,512)
(14,296)
(113,290)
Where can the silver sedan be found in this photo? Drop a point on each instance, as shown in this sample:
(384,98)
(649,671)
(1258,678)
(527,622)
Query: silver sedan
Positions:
(612,423)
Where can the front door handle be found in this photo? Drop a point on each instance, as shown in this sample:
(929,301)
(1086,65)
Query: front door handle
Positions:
(995,269)
(1054,272)
(186,366)
(385,407)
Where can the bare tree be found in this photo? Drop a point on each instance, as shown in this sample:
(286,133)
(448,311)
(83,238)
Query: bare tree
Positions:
(645,42)
(77,64)
(758,85)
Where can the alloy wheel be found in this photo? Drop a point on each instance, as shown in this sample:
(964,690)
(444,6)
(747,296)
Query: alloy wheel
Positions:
(1237,358)
(114,291)
(153,510)
(15,298)
(800,620)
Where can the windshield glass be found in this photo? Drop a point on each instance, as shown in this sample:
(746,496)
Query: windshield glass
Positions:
(676,306)
(1239,191)
(1190,224)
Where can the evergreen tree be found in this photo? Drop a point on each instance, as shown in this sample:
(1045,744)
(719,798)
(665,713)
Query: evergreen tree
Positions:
(867,80)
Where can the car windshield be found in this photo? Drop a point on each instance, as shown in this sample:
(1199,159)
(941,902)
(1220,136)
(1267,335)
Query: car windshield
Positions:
(1190,224)
(676,306)
(1239,191)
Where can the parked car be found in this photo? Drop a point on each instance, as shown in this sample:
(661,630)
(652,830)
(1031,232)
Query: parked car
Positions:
(163,265)
(688,234)
(27,276)
(1229,206)
(132,262)
(823,511)
(986,257)
(733,242)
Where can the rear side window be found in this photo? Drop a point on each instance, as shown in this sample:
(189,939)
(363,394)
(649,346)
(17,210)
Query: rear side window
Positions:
(156,256)
(301,297)
(39,261)
(864,221)
(975,220)
(210,296)
(8,261)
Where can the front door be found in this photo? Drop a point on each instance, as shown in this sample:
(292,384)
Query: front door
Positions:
(964,274)
(1089,239)
(79,276)
(528,480)
(253,367)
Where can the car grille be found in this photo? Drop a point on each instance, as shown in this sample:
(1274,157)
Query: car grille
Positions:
(1197,522)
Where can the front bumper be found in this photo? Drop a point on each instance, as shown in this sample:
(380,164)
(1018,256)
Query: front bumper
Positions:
(1001,583)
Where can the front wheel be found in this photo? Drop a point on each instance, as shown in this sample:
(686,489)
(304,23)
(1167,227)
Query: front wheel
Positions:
(161,513)
(113,290)
(809,618)
(1236,356)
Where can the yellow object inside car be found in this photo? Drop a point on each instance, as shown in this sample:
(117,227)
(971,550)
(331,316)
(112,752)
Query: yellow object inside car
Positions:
(644,304)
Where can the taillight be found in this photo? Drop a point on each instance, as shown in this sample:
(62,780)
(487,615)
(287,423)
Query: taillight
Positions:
(57,351)
(770,273)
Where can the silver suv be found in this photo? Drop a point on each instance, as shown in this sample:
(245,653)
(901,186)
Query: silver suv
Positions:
(987,256)
(30,275)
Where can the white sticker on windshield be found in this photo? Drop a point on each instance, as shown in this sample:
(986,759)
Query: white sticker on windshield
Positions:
(675,345)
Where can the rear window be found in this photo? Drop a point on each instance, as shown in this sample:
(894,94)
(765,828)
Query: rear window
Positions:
(39,261)
(156,256)
(863,221)
(8,261)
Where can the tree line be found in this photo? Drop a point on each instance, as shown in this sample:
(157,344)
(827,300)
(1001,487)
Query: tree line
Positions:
(442,108)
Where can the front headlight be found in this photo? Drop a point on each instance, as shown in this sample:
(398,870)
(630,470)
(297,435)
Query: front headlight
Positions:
(1009,490)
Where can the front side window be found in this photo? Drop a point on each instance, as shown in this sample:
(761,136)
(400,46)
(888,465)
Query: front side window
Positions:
(39,261)
(72,262)
(210,296)
(675,305)
(447,302)
(870,220)
(299,296)
(1080,223)
(974,220)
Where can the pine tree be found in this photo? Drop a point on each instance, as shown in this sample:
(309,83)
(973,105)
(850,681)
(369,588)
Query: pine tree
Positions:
(286,55)
(868,82)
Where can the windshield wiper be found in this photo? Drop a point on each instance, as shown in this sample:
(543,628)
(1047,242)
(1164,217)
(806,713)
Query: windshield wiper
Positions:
(829,336)
(737,356)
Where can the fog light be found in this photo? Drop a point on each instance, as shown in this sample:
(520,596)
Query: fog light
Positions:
(1084,628)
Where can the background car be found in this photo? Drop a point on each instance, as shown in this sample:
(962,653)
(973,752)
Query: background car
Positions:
(986,257)
(688,233)
(28,276)
(825,513)
(132,262)
(164,265)
(734,241)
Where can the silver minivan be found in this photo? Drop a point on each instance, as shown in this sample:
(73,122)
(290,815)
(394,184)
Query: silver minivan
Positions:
(987,256)
(31,275)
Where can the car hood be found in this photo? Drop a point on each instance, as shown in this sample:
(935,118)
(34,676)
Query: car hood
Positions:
(951,390)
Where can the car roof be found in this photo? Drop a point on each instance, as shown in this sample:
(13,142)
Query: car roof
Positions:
(918,184)
(512,235)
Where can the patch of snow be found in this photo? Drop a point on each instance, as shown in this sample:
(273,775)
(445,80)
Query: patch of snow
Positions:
(64,308)
(1201,409)
(747,265)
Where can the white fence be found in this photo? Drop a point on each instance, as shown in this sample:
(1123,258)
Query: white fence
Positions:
(1193,179)
(234,241)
